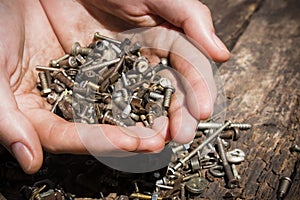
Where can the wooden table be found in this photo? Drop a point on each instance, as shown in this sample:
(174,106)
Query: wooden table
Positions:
(262,84)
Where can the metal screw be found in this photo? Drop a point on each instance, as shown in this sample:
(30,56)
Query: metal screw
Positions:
(235,172)
(232,182)
(203,144)
(44,83)
(101,65)
(64,79)
(284,186)
(211,125)
(109,119)
(155,95)
(55,63)
(167,96)
(98,36)
(182,191)
(77,49)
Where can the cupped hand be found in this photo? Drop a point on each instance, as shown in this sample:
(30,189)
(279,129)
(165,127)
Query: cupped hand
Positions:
(33,33)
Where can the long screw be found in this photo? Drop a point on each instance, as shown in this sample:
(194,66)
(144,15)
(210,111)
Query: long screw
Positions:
(232,181)
(98,36)
(210,125)
(55,62)
(183,160)
(101,65)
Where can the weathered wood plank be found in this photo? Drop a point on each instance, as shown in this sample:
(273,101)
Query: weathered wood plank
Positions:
(262,82)
(231,17)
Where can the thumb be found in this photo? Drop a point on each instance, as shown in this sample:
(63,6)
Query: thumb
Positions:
(195,20)
(16,132)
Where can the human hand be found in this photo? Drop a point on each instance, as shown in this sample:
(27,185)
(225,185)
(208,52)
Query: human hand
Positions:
(27,124)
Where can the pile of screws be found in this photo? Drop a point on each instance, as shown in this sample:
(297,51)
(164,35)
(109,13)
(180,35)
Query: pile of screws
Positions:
(199,163)
(107,82)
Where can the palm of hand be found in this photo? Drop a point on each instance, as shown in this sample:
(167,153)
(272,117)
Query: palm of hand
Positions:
(46,37)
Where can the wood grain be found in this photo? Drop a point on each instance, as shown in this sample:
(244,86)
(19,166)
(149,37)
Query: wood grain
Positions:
(262,83)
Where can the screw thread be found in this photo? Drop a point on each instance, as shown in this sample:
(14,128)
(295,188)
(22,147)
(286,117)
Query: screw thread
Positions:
(109,119)
(167,97)
(155,95)
(43,80)
(241,126)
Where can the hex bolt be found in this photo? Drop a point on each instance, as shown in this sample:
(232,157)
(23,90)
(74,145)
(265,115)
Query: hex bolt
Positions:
(167,96)
(109,119)
(77,49)
(98,36)
(231,182)
(211,125)
(284,187)
(183,160)
(44,83)
(55,62)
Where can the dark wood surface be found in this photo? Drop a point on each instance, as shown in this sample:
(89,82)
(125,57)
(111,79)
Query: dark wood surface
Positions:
(262,84)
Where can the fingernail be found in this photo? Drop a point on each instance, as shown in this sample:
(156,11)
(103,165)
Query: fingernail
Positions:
(219,43)
(23,155)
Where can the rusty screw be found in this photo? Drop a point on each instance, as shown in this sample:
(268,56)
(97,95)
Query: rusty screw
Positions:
(44,83)
(77,49)
(55,63)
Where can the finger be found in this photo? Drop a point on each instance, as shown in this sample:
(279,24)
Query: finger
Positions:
(182,122)
(72,22)
(17,134)
(197,77)
(195,19)
(60,136)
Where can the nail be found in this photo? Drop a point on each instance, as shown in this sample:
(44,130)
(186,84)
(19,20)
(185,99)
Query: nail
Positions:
(219,43)
(23,155)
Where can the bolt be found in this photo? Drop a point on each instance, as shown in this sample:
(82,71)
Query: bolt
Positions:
(232,182)
(98,36)
(182,161)
(44,68)
(44,83)
(155,95)
(284,186)
(55,63)
(211,125)
(167,96)
(109,119)
(64,79)
(77,49)
(188,177)
(101,65)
